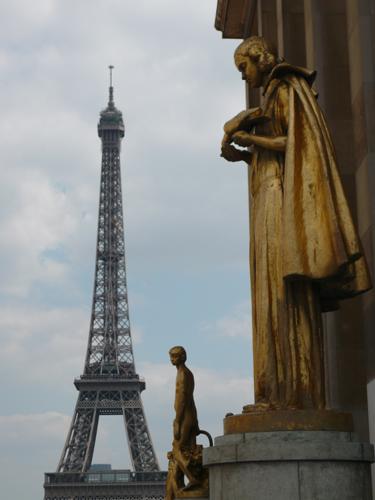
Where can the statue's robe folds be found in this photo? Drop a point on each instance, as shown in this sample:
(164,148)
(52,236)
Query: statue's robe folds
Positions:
(305,254)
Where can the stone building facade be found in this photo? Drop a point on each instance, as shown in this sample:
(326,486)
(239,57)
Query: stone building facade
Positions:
(337,38)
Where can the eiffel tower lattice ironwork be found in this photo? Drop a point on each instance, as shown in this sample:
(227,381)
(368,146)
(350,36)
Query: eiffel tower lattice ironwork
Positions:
(109,384)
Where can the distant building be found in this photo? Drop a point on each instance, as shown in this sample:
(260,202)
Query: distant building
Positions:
(100,467)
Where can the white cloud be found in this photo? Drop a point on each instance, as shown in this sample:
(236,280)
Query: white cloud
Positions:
(43,346)
(237,323)
(25,19)
(30,445)
(38,218)
(41,429)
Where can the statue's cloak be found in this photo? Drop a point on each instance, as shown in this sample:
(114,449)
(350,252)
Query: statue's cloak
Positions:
(319,241)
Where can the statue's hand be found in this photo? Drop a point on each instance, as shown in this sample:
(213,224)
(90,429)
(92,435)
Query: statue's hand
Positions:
(242,138)
(226,140)
(230,153)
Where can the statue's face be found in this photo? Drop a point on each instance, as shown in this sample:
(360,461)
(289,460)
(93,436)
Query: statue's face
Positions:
(249,70)
(175,357)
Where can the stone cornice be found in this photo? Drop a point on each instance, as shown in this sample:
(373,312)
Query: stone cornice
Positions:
(234,18)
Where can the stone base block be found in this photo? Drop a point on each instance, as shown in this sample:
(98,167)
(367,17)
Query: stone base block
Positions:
(192,495)
(253,420)
(289,465)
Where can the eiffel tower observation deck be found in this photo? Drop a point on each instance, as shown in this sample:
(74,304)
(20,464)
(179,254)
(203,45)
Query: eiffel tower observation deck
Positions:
(109,384)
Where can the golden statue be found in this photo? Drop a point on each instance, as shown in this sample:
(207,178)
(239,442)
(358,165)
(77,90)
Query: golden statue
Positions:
(185,459)
(305,254)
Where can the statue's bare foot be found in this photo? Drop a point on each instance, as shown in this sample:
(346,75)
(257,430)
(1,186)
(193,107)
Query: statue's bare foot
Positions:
(262,406)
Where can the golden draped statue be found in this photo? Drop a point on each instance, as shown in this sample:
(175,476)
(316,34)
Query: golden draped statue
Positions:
(305,254)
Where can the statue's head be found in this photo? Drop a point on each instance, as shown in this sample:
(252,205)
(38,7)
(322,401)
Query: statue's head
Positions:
(177,355)
(254,58)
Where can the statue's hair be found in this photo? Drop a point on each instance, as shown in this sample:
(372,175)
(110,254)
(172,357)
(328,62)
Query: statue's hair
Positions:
(178,349)
(262,52)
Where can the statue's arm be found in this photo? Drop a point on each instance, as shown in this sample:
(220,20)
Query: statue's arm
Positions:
(180,405)
(180,410)
(237,122)
(281,112)
(184,394)
(274,143)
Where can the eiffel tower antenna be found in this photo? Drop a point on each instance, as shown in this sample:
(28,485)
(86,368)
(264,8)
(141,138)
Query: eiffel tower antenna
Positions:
(109,384)
(110,102)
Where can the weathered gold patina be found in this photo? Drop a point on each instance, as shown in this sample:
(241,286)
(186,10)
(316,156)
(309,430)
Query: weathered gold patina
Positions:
(185,459)
(305,255)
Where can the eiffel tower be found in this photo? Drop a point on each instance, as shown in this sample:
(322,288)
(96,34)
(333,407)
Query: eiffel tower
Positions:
(109,384)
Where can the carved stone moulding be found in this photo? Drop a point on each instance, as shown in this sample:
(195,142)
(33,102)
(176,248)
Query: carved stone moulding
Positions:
(234,18)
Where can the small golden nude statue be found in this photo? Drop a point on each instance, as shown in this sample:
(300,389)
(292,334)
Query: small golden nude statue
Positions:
(305,254)
(185,459)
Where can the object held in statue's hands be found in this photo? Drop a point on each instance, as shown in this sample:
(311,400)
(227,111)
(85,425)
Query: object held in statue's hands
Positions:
(245,120)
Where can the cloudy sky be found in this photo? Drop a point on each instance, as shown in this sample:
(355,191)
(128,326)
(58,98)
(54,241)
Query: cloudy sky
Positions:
(186,215)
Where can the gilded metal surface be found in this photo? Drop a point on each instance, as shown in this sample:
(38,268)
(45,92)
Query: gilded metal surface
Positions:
(304,251)
(185,459)
(288,420)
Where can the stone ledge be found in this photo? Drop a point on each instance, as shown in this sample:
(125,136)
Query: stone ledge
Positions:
(288,447)
(282,436)
(307,451)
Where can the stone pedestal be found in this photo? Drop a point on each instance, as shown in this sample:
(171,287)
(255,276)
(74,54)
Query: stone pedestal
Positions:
(289,465)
